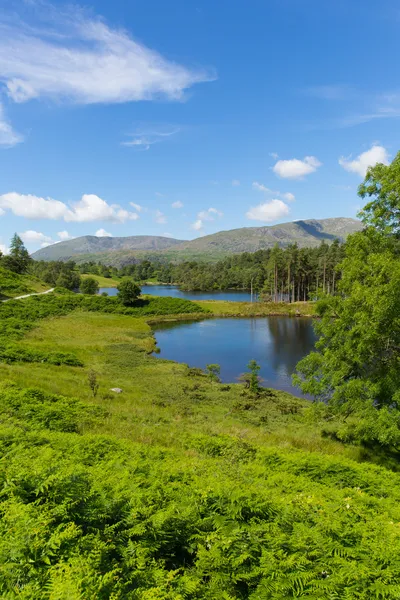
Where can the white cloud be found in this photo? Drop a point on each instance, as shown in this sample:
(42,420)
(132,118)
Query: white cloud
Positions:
(103,233)
(295,168)
(31,236)
(4,249)
(92,208)
(166,234)
(89,208)
(159,194)
(33,207)
(274,155)
(197,225)
(235,182)
(177,204)
(268,211)
(288,196)
(376,154)
(83,60)
(137,207)
(143,139)
(64,235)
(209,214)
(8,137)
(160,217)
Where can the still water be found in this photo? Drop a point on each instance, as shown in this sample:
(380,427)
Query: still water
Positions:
(276,343)
(175,292)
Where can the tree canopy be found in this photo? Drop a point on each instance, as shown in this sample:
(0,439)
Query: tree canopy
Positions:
(357,358)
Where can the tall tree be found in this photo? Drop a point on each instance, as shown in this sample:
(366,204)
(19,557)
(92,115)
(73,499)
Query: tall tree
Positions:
(18,258)
(357,357)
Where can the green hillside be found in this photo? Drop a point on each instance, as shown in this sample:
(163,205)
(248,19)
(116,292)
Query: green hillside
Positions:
(121,251)
(90,244)
(13,284)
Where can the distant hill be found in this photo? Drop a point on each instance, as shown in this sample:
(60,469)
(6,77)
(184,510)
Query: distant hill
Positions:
(120,251)
(90,244)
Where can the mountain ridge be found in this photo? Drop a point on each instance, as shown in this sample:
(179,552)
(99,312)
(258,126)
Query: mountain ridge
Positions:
(122,250)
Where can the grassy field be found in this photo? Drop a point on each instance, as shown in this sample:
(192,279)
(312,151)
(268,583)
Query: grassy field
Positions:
(178,488)
(104,282)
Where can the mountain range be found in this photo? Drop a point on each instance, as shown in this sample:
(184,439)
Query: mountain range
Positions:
(118,251)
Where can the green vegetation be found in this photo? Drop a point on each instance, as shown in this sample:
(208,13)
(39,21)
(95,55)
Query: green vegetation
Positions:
(179,487)
(128,291)
(104,282)
(355,369)
(89,286)
(127,477)
(14,284)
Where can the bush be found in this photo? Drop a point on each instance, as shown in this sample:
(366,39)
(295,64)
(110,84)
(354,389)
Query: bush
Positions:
(89,286)
(128,291)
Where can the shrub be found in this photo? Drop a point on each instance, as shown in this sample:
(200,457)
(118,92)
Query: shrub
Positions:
(89,286)
(128,291)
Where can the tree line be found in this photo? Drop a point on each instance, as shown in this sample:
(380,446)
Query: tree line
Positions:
(276,274)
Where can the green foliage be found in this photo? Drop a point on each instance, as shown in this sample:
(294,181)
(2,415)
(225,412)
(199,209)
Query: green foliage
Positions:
(18,258)
(128,291)
(93,382)
(10,354)
(382,184)
(12,284)
(89,286)
(356,364)
(57,273)
(252,379)
(89,516)
(213,372)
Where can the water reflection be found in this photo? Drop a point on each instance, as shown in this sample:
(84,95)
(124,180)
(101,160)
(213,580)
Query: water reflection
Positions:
(175,292)
(276,343)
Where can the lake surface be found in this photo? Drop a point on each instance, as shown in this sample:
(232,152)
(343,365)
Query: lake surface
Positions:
(175,292)
(276,343)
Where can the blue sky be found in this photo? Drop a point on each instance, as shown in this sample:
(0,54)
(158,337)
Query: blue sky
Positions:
(188,117)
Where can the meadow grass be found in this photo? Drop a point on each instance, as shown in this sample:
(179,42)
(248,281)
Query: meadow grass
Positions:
(104,282)
(223,308)
(178,488)
(160,398)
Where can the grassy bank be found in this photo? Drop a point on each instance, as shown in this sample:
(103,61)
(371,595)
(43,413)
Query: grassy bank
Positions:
(13,284)
(258,309)
(178,487)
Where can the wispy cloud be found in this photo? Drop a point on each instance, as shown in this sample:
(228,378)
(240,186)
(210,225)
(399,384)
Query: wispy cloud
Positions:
(362,106)
(235,182)
(137,207)
(160,217)
(8,137)
(177,204)
(337,91)
(74,57)
(260,187)
(145,137)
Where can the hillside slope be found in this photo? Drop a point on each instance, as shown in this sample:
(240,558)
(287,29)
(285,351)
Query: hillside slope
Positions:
(90,244)
(120,251)
(13,284)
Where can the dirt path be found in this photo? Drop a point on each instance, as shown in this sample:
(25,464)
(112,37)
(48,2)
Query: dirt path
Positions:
(28,295)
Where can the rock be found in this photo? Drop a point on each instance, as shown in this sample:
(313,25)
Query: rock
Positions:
(116,390)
